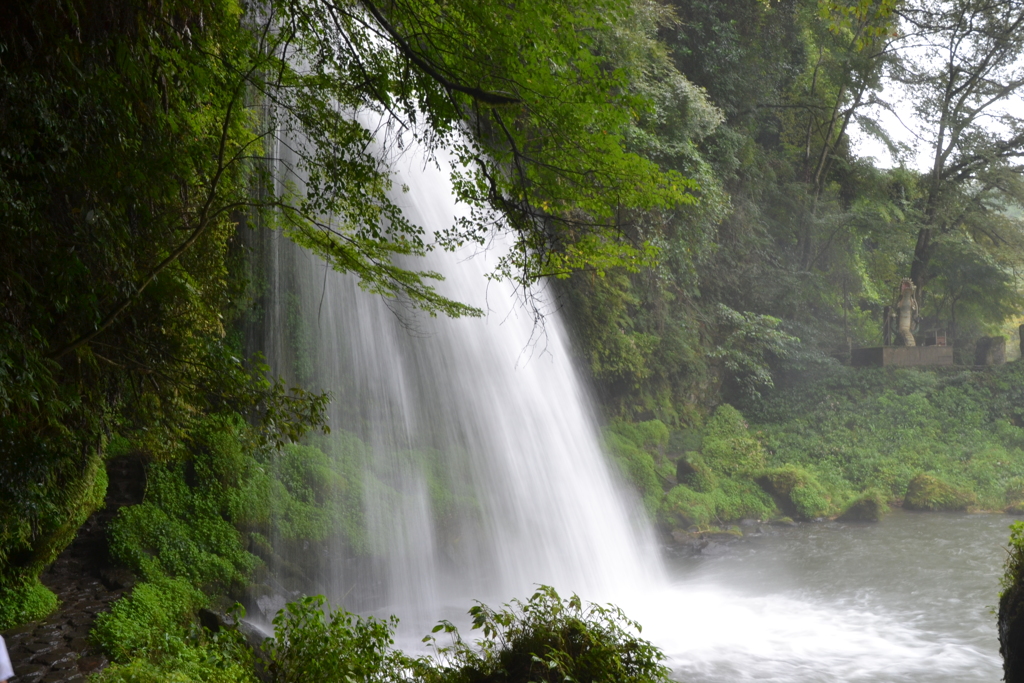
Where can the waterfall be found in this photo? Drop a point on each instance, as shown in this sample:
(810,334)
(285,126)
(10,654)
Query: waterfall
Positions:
(484,474)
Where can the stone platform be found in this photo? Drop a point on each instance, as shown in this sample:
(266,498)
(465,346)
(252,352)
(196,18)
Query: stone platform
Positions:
(901,356)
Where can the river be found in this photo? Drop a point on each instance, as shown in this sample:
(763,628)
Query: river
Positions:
(908,599)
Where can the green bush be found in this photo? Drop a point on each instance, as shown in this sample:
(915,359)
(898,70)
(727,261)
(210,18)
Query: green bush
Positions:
(929,493)
(154,620)
(546,640)
(312,643)
(152,635)
(728,447)
(25,601)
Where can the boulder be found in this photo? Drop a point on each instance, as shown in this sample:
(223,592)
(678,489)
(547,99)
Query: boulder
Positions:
(796,492)
(869,507)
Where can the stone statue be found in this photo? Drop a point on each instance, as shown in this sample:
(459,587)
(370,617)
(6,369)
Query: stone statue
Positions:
(904,311)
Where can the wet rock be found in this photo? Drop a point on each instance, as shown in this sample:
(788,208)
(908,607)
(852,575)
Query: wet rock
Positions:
(92,663)
(118,578)
(26,671)
(40,646)
(52,657)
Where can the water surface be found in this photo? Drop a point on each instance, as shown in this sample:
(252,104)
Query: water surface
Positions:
(909,599)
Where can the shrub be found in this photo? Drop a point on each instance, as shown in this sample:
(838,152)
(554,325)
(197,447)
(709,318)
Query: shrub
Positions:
(152,621)
(24,601)
(546,640)
(312,643)
(728,448)
(929,493)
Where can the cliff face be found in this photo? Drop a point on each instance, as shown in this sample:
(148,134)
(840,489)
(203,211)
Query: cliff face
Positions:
(1011,608)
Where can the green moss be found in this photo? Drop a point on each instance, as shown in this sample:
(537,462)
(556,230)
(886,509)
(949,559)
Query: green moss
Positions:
(638,468)
(728,447)
(731,501)
(796,492)
(27,601)
(868,507)
(692,471)
(31,542)
(927,492)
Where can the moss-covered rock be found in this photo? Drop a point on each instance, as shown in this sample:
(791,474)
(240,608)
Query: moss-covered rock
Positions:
(796,492)
(731,501)
(929,493)
(634,446)
(868,507)
(1011,608)
(693,472)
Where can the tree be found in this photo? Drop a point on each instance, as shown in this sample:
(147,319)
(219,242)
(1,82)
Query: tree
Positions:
(537,135)
(961,63)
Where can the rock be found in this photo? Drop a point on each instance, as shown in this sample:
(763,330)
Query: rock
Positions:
(94,663)
(929,493)
(115,578)
(692,472)
(52,657)
(796,492)
(869,507)
(783,521)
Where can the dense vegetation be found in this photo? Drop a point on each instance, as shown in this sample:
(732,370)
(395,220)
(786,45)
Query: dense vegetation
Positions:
(946,439)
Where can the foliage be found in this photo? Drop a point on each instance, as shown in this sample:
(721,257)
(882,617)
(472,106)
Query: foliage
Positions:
(796,492)
(312,643)
(547,639)
(184,528)
(638,448)
(153,620)
(750,342)
(925,492)
(877,429)
(124,171)
(26,602)
(728,448)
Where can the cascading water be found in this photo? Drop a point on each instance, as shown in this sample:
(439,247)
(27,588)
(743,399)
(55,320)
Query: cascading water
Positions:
(486,475)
